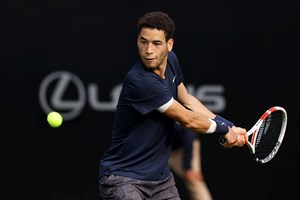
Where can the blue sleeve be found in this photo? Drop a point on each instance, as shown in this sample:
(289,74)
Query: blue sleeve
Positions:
(145,92)
(152,97)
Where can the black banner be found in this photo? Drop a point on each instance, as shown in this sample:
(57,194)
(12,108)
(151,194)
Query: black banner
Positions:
(238,57)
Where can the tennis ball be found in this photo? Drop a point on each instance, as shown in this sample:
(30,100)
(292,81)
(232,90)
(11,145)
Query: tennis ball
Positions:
(54,119)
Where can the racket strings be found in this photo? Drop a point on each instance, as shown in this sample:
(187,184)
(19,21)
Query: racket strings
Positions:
(267,141)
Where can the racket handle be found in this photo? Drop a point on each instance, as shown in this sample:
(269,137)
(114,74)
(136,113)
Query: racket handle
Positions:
(222,140)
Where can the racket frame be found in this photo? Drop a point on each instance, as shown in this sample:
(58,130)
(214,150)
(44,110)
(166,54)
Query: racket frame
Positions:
(255,128)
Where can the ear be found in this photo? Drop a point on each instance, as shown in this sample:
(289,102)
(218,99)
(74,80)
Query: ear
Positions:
(170,44)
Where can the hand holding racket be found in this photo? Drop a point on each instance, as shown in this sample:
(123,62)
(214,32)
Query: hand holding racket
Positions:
(266,135)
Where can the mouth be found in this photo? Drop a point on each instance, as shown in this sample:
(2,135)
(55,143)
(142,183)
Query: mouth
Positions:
(149,59)
(149,62)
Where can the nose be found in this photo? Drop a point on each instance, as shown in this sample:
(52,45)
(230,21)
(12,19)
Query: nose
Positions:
(148,48)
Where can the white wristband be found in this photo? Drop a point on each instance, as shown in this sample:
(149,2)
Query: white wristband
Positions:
(212,127)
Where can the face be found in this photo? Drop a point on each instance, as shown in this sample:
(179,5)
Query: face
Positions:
(153,49)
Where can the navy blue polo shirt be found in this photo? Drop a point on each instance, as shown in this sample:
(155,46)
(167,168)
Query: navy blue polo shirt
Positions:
(142,136)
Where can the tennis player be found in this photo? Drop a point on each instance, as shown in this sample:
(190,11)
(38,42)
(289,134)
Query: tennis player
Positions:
(153,97)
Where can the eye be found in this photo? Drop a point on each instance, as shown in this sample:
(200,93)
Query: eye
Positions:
(157,43)
(143,41)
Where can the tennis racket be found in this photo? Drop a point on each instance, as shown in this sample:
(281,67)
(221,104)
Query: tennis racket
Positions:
(266,136)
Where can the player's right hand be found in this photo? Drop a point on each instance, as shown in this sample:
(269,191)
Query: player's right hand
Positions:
(236,136)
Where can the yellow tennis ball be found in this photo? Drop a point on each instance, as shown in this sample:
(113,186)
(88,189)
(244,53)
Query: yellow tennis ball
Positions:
(54,119)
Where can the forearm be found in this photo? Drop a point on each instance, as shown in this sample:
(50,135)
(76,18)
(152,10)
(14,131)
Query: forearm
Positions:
(210,122)
(195,105)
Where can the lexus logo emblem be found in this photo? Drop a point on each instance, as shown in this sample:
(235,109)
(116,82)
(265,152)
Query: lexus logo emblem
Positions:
(53,94)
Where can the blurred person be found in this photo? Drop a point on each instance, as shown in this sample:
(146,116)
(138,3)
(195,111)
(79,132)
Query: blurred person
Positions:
(152,99)
(185,163)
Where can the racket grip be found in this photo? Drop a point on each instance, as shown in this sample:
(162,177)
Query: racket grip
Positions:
(222,140)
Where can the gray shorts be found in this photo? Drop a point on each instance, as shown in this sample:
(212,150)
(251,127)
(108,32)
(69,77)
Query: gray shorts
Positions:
(124,188)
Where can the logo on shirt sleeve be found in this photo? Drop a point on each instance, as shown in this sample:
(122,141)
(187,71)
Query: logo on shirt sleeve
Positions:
(174,78)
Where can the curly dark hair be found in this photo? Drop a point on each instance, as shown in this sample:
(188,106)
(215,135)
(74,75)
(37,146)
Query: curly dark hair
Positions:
(157,20)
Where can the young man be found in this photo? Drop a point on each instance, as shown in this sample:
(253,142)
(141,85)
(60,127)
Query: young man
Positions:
(153,97)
